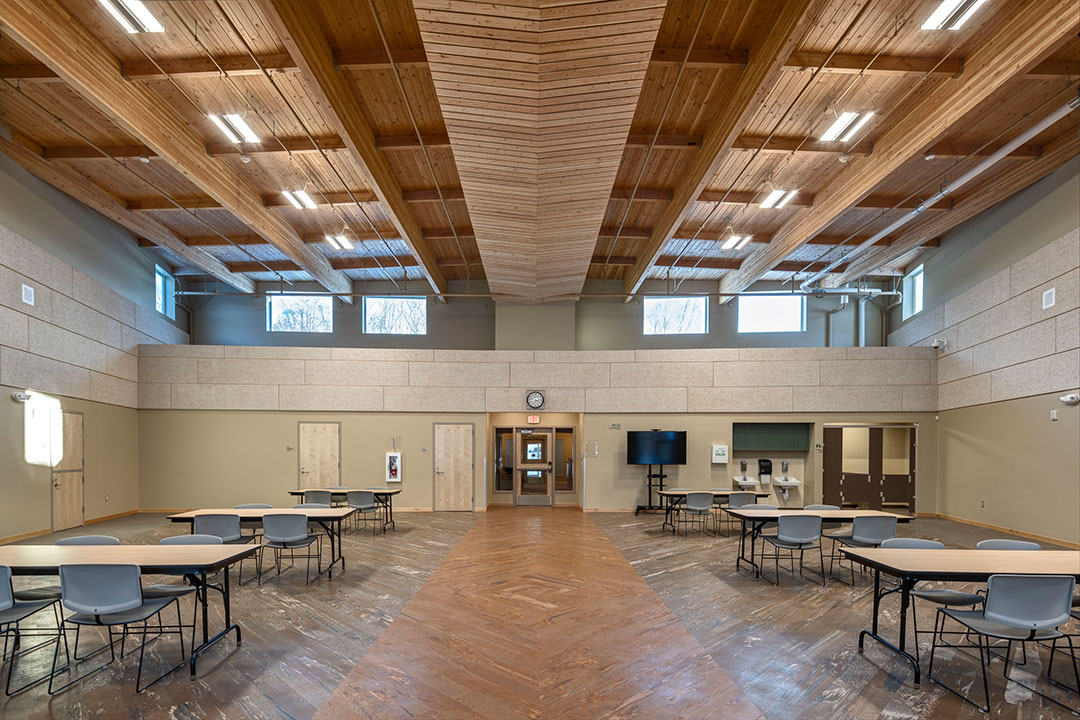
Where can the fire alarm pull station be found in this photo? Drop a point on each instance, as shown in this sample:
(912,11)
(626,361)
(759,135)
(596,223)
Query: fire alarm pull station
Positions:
(393,467)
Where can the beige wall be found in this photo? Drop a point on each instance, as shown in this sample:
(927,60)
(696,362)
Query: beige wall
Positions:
(110,447)
(612,484)
(1007,464)
(215,458)
(534,327)
(547,420)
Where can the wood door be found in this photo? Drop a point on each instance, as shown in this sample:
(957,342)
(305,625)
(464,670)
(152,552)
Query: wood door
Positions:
(832,464)
(67,476)
(319,455)
(856,464)
(877,480)
(453,466)
(898,465)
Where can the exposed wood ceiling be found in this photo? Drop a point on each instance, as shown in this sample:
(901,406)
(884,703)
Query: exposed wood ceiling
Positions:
(395,134)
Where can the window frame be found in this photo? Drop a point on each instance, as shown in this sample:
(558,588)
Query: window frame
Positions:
(650,299)
(914,289)
(164,290)
(739,310)
(270,297)
(364,311)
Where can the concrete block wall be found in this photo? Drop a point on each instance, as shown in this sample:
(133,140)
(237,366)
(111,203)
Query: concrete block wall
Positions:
(632,381)
(1001,343)
(80,338)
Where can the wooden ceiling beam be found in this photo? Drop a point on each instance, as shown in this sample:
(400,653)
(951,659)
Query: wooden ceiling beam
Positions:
(78,186)
(995,189)
(273,200)
(754,82)
(865,147)
(1033,31)
(299,28)
(49,32)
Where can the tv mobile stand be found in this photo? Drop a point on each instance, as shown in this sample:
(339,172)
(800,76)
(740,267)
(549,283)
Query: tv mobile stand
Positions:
(654,481)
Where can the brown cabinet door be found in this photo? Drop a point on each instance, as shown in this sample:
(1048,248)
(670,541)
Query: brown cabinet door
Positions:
(831,465)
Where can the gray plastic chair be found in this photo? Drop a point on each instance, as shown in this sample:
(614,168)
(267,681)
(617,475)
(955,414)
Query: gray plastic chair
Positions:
(737,500)
(108,596)
(698,507)
(253,526)
(318,496)
(338,490)
(363,501)
(1007,544)
(794,532)
(150,592)
(311,505)
(52,592)
(867,531)
(12,612)
(826,524)
(227,527)
(1018,608)
(289,531)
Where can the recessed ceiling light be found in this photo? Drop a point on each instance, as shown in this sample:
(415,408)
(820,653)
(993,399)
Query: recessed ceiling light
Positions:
(929,156)
(145,160)
(845,126)
(951,14)
(332,242)
(786,199)
(133,16)
(742,243)
(299,199)
(234,128)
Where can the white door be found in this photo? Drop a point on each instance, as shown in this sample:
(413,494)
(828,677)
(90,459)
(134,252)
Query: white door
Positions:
(453,466)
(319,455)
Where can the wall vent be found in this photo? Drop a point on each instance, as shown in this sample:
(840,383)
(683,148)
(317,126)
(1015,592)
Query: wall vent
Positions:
(1048,298)
(28,294)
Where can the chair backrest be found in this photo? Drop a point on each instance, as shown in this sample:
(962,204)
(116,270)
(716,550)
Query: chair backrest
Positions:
(89,540)
(100,589)
(225,525)
(799,528)
(1006,544)
(1032,602)
(699,501)
(7,595)
(284,527)
(311,505)
(191,540)
(252,506)
(872,529)
(317,496)
(912,544)
(741,499)
(360,498)
(822,507)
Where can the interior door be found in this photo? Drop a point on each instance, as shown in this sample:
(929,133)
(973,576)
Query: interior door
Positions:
(67,476)
(453,466)
(855,467)
(832,465)
(319,455)
(898,467)
(534,467)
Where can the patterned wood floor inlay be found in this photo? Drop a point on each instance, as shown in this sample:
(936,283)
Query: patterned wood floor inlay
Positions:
(536,614)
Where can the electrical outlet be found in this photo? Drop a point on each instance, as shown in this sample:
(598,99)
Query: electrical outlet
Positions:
(1053,415)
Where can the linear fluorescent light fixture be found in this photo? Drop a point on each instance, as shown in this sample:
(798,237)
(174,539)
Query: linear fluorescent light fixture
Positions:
(772,198)
(731,242)
(235,128)
(133,16)
(951,14)
(845,126)
(299,199)
(344,242)
(786,199)
(332,241)
(742,243)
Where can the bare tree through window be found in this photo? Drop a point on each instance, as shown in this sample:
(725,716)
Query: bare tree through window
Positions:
(395,315)
(299,313)
(675,315)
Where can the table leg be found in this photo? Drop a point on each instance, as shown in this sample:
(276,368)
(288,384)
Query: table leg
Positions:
(748,530)
(389,513)
(905,599)
(335,546)
(229,625)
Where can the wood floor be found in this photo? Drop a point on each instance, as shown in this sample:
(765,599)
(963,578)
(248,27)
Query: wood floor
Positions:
(536,613)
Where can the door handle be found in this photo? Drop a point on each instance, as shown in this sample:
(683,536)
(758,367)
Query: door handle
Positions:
(56,483)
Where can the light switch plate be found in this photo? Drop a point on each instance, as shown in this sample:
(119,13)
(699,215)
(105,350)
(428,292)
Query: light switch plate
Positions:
(28,295)
(1049,298)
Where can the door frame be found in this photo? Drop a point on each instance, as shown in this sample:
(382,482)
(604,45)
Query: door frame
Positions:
(472,466)
(519,466)
(299,486)
(877,482)
(82,470)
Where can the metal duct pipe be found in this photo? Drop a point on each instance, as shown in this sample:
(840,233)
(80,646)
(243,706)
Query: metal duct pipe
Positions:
(948,189)
(862,320)
(828,319)
(873,292)
(885,317)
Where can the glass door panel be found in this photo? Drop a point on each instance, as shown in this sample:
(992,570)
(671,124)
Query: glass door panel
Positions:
(504,459)
(534,467)
(564,460)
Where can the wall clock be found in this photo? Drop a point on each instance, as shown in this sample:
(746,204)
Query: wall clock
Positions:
(535,399)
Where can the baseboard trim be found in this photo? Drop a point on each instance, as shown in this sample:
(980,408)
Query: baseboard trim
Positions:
(610,510)
(103,518)
(1001,528)
(160,511)
(24,536)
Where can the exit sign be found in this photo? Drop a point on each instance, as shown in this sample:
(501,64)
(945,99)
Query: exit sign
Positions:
(534,419)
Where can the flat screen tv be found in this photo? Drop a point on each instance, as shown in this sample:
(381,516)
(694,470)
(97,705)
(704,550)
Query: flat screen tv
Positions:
(656,447)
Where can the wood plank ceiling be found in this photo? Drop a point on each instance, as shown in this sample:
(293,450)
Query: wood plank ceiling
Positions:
(530,144)
(538,97)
